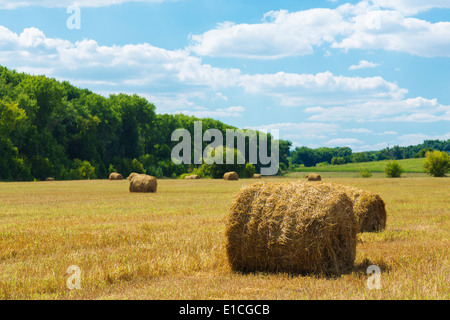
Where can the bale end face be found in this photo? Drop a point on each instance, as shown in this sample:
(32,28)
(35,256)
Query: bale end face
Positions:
(369,209)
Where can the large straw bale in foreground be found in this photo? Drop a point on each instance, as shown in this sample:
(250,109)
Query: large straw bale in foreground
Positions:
(369,209)
(314,177)
(291,227)
(143,183)
(115,176)
(231,176)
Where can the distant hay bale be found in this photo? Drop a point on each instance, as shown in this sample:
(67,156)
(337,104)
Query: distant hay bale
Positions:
(115,176)
(131,176)
(314,177)
(257,176)
(291,227)
(192,176)
(143,183)
(369,209)
(231,176)
(50,179)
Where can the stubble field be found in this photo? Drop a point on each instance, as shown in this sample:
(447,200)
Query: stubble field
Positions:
(171,245)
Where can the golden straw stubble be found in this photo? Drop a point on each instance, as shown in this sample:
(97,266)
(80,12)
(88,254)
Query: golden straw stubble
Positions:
(291,227)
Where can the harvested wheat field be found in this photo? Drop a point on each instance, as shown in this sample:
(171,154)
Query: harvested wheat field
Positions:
(172,244)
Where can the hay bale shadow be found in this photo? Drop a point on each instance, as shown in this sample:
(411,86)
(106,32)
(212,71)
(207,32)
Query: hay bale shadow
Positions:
(292,274)
(361,268)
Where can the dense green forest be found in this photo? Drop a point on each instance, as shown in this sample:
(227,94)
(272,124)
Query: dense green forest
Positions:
(50,128)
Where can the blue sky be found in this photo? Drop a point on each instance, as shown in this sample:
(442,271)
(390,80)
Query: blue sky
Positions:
(363,74)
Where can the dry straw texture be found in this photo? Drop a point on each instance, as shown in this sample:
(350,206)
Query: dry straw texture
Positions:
(115,176)
(257,176)
(131,176)
(143,183)
(231,176)
(313,177)
(291,227)
(193,176)
(369,209)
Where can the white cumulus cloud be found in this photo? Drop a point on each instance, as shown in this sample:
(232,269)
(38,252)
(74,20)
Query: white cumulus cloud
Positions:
(412,7)
(363,64)
(281,34)
(178,81)
(392,31)
(343,142)
(403,110)
(366,25)
(233,112)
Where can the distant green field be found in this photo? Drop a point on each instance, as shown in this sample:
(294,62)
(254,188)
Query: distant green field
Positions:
(408,165)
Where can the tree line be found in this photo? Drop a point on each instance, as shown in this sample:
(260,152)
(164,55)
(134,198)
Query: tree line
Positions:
(50,128)
(341,155)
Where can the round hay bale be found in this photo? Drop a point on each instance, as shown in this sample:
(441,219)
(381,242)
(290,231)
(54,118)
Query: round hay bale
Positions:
(314,177)
(231,176)
(131,176)
(50,179)
(369,208)
(143,183)
(257,176)
(193,176)
(291,227)
(115,176)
